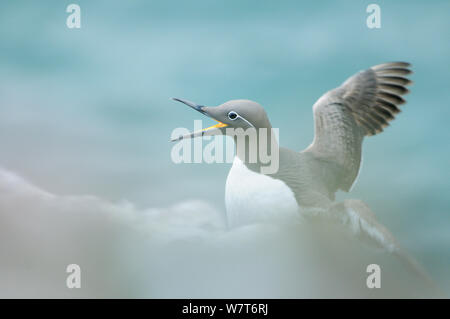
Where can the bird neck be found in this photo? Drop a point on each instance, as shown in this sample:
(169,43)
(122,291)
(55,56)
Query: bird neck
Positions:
(257,148)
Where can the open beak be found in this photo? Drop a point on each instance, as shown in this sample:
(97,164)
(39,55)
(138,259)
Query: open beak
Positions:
(212,130)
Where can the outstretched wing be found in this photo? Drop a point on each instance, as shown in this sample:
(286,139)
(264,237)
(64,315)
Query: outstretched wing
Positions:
(363,105)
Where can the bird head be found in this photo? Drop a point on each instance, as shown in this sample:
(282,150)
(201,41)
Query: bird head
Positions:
(234,114)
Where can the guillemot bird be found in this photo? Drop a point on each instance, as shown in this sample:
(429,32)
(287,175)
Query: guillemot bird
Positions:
(304,184)
(307,181)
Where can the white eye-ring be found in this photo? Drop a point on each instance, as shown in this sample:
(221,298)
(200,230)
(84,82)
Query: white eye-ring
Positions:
(232,115)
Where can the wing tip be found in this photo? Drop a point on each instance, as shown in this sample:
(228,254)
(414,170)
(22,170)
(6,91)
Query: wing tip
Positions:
(390,65)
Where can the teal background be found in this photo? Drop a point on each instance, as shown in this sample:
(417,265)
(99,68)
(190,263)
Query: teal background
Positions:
(88,111)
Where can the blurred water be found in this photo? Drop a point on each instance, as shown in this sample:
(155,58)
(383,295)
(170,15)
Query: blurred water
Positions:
(88,112)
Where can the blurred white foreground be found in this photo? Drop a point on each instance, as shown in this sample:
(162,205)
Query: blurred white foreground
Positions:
(184,251)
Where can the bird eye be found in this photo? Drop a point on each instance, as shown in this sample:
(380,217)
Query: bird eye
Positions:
(232,115)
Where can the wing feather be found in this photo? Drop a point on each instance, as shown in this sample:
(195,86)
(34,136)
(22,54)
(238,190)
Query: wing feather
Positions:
(363,105)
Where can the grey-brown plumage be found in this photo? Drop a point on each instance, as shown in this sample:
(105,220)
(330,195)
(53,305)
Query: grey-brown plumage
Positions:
(362,106)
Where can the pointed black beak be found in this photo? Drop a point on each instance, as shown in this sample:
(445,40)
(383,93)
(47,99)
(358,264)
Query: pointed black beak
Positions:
(212,130)
(195,106)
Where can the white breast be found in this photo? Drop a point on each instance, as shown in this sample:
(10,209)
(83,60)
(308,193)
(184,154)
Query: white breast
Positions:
(252,197)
